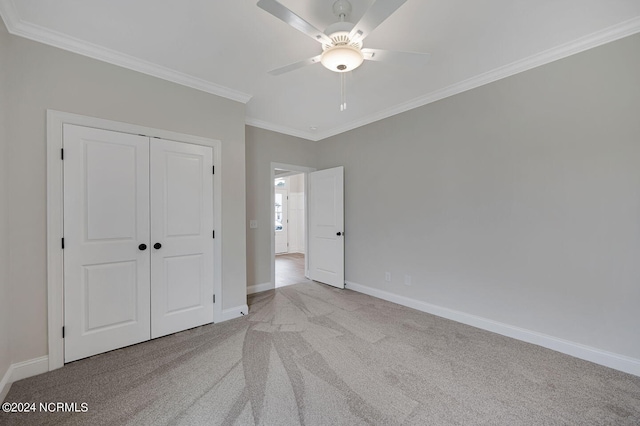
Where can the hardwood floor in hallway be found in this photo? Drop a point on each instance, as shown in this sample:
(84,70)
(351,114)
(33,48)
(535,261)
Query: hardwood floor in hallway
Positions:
(289,269)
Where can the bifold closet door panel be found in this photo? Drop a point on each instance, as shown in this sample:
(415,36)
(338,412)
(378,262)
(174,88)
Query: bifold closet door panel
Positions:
(181,236)
(106,234)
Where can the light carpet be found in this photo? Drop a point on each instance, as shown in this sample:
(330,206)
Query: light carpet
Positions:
(309,354)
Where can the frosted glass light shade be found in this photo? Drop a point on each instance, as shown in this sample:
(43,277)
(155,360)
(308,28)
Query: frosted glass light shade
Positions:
(342,58)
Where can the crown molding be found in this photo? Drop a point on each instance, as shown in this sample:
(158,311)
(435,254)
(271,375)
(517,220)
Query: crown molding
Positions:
(607,35)
(18,27)
(281,129)
(27,30)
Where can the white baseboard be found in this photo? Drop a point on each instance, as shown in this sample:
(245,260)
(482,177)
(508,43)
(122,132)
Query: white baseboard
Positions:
(32,367)
(22,370)
(238,311)
(5,384)
(257,288)
(588,353)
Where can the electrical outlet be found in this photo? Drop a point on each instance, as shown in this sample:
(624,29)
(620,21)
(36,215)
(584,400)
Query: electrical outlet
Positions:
(407,279)
(387,277)
(253,224)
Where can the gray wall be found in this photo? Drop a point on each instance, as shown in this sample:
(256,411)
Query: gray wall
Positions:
(518,201)
(5,354)
(264,147)
(43,77)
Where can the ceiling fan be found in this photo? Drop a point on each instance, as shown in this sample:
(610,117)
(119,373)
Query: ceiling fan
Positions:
(342,48)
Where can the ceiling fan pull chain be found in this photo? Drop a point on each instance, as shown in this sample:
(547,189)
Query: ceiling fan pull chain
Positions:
(343,91)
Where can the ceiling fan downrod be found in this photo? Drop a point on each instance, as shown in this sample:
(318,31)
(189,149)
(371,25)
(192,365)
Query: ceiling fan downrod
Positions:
(342,9)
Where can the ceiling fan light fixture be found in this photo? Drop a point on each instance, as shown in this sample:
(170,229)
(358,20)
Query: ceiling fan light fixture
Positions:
(342,58)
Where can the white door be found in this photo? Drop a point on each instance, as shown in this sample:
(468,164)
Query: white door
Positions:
(106,238)
(326,226)
(281,225)
(181,236)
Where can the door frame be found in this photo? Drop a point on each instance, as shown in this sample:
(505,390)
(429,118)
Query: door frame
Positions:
(55,214)
(272,200)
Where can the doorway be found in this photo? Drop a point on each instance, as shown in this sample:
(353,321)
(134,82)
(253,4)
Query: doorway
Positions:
(323,226)
(289,262)
(289,227)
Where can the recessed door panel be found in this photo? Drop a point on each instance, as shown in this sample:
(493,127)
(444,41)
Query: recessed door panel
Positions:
(184,194)
(110,297)
(325,214)
(183,282)
(110,170)
(182,236)
(106,218)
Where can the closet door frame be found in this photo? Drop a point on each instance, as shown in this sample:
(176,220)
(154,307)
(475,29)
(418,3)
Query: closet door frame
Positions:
(55,214)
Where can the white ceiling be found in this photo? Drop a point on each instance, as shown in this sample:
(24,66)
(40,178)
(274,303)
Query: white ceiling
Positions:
(226,48)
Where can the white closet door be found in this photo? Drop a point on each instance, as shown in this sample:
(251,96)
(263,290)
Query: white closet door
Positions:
(181,236)
(106,219)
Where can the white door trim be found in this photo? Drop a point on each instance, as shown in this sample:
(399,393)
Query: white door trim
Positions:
(297,169)
(55,204)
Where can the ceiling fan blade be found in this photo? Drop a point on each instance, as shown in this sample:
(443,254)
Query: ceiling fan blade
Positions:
(295,66)
(286,15)
(403,58)
(377,13)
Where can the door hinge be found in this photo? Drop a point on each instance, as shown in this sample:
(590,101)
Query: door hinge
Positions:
(214,234)
(63,244)
(63,332)
(214,298)
(213,170)
(62,153)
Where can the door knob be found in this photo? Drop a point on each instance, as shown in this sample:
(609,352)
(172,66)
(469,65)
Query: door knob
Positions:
(157,246)
(339,233)
(142,247)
